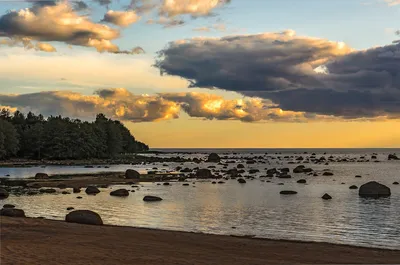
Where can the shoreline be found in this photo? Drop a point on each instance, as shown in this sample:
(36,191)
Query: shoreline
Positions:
(34,241)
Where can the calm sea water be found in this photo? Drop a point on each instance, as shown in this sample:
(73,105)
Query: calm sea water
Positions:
(255,208)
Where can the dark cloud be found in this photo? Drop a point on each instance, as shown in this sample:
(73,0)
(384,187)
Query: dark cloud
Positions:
(297,73)
(264,62)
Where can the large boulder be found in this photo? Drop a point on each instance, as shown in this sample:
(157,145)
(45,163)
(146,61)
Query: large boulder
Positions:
(203,173)
(92,190)
(132,174)
(84,217)
(3,194)
(214,158)
(11,212)
(41,176)
(151,199)
(374,189)
(120,193)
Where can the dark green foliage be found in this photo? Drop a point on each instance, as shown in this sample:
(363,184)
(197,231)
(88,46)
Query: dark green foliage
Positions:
(63,138)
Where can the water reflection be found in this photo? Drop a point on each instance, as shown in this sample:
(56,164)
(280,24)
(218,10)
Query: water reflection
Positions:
(255,208)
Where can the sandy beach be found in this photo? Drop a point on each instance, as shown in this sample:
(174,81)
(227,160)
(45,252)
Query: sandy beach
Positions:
(39,241)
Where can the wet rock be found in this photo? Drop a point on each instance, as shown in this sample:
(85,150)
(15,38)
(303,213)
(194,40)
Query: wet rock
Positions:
(327,173)
(84,217)
(132,174)
(41,176)
(65,192)
(395,183)
(240,166)
(3,194)
(92,190)
(326,196)
(104,186)
(288,192)
(272,171)
(285,170)
(10,206)
(76,190)
(151,199)
(32,192)
(242,181)
(353,187)
(120,193)
(232,172)
(79,197)
(374,189)
(47,191)
(307,170)
(11,212)
(302,181)
(214,182)
(298,169)
(284,176)
(358,176)
(70,208)
(392,157)
(213,158)
(221,182)
(253,171)
(185,184)
(186,170)
(203,173)
(166,184)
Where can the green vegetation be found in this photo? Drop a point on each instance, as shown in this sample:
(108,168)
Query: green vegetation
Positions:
(33,136)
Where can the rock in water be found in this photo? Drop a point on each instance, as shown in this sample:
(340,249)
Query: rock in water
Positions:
(214,158)
(353,187)
(288,192)
(203,173)
(393,157)
(302,181)
(374,189)
(84,217)
(132,174)
(3,194)
(242,181)
(10,212)
(41,176)
(10,206)
(326,196)
(327,174)
(76,190)
(120,193)
(151,199)
(92,190)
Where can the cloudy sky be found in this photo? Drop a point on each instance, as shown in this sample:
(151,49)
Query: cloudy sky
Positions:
(210,73)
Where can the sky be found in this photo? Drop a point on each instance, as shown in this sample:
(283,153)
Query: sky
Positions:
(210,73)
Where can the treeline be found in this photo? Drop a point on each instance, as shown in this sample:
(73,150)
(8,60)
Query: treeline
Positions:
(33,136)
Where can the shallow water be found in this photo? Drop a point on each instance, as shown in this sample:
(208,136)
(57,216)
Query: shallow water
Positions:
(255,208)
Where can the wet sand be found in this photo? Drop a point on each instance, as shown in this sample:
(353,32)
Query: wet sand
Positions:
(38,241)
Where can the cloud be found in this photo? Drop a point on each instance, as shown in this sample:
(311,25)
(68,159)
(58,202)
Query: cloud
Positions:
(172,8)
(117,103)
(28,44)
(215,27)
(121,18)
(166,22)
(298,74)
(121,104)
(58,22)
(392,2)
(270,61)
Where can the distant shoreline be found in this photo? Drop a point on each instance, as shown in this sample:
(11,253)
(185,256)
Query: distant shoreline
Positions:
(39,241)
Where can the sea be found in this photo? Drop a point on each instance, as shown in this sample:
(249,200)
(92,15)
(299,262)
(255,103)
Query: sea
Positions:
(254,209)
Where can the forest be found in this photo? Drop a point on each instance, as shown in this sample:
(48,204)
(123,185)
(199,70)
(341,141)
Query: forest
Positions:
(35,137)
